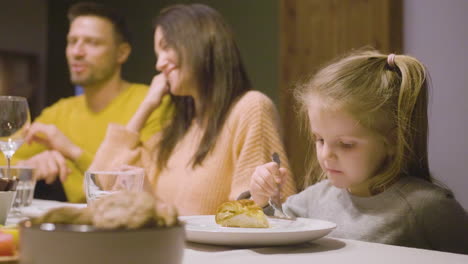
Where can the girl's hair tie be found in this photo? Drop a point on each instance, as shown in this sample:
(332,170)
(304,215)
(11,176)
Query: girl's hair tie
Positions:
(391,60)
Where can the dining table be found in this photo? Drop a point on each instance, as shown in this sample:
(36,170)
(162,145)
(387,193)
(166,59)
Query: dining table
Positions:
(321,251)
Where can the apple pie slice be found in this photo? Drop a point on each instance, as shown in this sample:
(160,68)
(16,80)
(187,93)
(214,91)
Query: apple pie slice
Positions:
(241,213)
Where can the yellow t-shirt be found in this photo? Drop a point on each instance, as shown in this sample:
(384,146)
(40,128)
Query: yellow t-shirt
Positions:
(87,129)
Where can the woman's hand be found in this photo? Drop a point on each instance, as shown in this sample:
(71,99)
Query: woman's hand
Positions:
(266,181)
(157,90)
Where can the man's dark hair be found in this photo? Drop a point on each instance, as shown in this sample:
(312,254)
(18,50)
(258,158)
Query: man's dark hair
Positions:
(100,10)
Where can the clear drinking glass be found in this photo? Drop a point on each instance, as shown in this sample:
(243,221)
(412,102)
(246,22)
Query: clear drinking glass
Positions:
(24,189)
(14,120)
(101,183)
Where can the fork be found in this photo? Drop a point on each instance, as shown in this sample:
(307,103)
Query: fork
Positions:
(275,200)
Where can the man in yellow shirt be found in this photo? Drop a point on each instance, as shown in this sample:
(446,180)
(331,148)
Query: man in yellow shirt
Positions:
(64,138)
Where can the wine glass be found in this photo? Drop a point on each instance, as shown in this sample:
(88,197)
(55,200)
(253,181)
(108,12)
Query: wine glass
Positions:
(14,120)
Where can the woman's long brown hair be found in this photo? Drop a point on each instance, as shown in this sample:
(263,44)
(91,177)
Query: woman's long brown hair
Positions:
(207,51)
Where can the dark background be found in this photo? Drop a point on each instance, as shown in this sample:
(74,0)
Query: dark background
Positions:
(42,25)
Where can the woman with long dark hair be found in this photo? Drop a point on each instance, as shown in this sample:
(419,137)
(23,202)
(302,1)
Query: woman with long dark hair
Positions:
(220,130)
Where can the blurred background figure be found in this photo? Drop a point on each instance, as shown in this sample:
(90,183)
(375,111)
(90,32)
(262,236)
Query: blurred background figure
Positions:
(221,129)
(61,142)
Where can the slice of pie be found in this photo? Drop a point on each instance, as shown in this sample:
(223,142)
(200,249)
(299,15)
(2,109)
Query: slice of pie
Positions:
(241,213)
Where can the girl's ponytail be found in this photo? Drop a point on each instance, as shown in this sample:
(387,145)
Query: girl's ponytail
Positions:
(411,118)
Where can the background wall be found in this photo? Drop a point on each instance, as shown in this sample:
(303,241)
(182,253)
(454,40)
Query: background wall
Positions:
(436,32)
(313,32)
(23,29)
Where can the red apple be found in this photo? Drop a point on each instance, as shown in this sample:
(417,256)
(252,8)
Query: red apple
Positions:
(7,244)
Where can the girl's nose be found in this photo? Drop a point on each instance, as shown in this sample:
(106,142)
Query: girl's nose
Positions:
(327,152)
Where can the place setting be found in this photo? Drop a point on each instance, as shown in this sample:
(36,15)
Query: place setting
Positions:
(242,223)
(118,214)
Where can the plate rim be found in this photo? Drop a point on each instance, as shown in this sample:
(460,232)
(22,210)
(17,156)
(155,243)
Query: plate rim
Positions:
(238,230)
(241,237)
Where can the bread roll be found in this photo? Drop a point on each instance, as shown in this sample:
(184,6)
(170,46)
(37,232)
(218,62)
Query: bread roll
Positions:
(66,215)
(128,210)
(124,210)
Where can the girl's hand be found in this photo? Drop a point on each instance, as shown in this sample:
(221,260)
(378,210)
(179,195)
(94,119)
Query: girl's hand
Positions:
(266,181)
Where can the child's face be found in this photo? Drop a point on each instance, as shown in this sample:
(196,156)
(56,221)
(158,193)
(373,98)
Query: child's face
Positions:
(348,153)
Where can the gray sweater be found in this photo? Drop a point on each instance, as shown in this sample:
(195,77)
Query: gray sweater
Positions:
(412,213)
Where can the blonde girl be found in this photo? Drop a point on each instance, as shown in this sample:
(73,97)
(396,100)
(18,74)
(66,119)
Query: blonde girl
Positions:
(368,117)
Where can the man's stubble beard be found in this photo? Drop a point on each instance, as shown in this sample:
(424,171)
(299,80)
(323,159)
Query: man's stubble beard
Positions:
(94,77)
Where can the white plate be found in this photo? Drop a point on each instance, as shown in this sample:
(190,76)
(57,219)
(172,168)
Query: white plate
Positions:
(38,210)
(203,229)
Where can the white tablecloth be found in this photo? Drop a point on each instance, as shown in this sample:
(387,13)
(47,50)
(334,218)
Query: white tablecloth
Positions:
(322,251)
(37,208)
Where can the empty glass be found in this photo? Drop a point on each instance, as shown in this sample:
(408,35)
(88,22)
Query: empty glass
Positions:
(101,183)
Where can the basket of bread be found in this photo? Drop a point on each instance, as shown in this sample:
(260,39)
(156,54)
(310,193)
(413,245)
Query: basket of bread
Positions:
(126,227)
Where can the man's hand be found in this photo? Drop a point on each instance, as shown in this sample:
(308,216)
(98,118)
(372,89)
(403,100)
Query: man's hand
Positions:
(50,136)
(47,166)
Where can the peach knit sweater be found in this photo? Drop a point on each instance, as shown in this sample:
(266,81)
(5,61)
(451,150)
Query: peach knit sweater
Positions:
(249,136)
